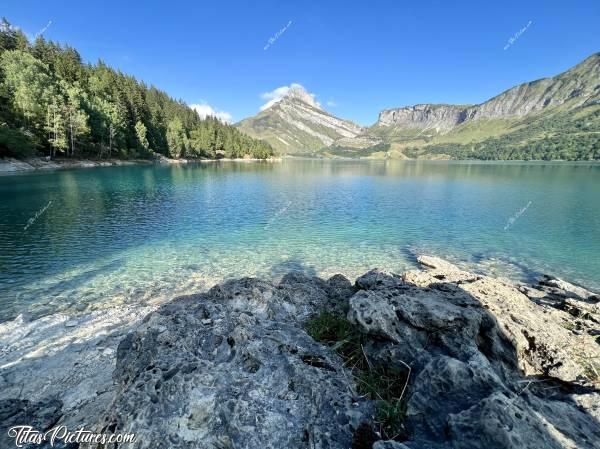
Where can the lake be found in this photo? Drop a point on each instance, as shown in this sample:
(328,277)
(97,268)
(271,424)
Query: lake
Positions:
(84,239)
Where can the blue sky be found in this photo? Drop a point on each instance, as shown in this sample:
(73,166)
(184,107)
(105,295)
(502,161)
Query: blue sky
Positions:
(356,57)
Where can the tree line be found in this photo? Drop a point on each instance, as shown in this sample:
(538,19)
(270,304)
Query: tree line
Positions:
(53,103)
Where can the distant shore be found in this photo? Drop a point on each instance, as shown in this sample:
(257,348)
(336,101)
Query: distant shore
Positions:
(12,165)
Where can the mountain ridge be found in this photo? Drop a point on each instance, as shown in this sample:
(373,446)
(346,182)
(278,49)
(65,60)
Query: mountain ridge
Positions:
(523,98)
(420,130)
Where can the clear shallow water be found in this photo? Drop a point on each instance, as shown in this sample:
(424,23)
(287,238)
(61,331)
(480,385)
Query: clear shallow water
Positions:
(98,237)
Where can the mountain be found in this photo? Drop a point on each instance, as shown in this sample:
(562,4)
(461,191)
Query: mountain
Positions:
(576,87)
(296,124)
(551,118)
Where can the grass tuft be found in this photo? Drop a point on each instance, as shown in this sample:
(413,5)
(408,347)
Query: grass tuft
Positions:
(379,382)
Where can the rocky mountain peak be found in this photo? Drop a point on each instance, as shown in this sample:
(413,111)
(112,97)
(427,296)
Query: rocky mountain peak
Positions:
(294,122)
(299,93)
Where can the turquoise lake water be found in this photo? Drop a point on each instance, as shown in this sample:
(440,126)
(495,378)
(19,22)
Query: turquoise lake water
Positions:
(82,239)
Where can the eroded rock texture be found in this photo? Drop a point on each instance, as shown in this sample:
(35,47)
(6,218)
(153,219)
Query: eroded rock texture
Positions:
(469,340)
(234,368)
(490,365)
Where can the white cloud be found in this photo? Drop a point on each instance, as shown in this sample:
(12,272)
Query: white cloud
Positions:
(204,110)
(277,94)
(331,103)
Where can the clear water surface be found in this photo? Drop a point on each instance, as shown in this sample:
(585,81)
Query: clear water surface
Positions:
(82,239)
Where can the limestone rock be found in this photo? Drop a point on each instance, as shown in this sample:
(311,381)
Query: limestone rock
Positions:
(577,86)
(377,278)
(542,336)
(487,363)
(252,378)
(569,290)
(470,342)
(499,421)
(40,416)
(296,123)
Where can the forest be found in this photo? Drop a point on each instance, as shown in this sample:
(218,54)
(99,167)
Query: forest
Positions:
(54,104)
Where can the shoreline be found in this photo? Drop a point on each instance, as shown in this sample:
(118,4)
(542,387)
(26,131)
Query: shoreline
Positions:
(9,165)
(13,165)
(81,352)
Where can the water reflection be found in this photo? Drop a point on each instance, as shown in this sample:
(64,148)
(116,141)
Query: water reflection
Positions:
(115,232)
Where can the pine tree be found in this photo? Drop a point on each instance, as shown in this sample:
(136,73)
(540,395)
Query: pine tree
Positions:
(50,100)
(141,131)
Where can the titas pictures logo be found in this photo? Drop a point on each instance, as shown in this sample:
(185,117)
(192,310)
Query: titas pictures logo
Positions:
(27,435)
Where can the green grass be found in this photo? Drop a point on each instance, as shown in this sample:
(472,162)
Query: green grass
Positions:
(380,382)
(592,370)
(343,151)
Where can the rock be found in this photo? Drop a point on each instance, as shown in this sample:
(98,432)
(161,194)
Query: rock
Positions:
(162,159)
(389,444)
(314,294)
(575,300)
(377,278)
(541,335)
(297,124)
(568,290)
(41,416)
(43,360)
(444,386)
(340,288)
(469,341)
(8,165)
(437,117)
(72,323)
(108,351)
(437,264)
(46,163)
(577,86)
(502,422)
(252,379)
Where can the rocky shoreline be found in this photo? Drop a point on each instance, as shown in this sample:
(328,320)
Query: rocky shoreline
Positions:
(432,358)
(12,165)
